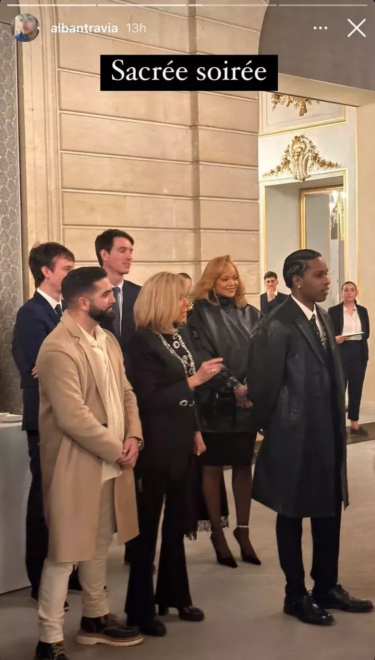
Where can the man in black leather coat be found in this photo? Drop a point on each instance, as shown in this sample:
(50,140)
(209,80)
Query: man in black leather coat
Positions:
(296,386)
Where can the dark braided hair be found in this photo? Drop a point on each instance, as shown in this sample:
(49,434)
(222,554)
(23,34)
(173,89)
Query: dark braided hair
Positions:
(297,264)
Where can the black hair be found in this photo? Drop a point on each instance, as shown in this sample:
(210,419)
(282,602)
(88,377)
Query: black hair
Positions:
(269,274)
(185,276)
(349,282)
(45,255)
(105,241)
(80,281)
(297,264)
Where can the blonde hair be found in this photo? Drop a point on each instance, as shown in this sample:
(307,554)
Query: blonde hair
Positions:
(158,304)
(215,269)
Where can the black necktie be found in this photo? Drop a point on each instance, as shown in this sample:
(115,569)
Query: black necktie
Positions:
(58,311)
(116,310)
(316,330)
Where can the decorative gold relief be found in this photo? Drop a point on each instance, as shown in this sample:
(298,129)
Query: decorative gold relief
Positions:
(287,100)
(300,159)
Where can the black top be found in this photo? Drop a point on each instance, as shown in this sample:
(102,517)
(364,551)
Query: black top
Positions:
(166,402)
(223,330)
(337,315)
(298,396)
(129,296)
(267,306)
(35,320)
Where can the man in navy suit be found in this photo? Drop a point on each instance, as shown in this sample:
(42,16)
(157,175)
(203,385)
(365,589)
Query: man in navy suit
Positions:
(114,250)
(49,264)
(272,297)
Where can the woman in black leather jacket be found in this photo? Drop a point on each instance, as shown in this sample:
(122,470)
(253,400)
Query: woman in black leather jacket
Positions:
(221,324)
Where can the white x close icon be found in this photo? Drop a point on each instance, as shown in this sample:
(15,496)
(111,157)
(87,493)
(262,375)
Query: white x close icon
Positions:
(356,27)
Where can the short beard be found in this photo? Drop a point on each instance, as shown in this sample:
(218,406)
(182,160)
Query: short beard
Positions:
(100,315)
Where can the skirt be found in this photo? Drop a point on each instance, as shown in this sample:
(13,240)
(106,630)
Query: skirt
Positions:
(229,449)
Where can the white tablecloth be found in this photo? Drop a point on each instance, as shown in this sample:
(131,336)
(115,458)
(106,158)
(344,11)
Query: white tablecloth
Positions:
(15,481)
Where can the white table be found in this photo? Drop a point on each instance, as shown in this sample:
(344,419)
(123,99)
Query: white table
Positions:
(15,481)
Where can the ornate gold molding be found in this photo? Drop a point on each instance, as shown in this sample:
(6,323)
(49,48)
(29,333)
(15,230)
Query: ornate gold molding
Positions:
(287,100)
(300,159)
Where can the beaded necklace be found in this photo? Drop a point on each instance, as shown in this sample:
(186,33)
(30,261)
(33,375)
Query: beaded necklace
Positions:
(186,360)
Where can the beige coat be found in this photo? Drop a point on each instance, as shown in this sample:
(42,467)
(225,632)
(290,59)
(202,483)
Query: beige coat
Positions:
(74,442)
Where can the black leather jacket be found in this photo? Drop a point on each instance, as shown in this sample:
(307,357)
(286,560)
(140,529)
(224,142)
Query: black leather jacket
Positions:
(227,331)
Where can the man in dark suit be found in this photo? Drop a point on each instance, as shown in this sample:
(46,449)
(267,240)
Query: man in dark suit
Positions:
(49,264)
(296,386)
(114,250)
(272,297)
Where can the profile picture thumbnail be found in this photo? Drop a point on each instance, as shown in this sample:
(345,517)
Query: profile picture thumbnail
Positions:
(25,27)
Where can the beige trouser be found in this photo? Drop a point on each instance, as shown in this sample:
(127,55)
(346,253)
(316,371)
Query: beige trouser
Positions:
(92,575)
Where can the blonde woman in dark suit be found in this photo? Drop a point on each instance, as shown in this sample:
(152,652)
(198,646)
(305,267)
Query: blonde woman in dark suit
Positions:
(352,329)
(164,377)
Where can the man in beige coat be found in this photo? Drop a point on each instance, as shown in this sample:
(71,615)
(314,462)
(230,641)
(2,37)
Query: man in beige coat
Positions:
(90,436)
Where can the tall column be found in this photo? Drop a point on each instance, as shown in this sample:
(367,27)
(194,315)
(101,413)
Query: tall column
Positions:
(10,217)
(366,234)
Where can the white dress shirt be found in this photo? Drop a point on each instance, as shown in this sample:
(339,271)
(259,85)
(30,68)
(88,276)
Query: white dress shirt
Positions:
(352,324)
(309,314)
(49,299)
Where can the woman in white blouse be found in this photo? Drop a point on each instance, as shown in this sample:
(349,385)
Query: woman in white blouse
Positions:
(352,330)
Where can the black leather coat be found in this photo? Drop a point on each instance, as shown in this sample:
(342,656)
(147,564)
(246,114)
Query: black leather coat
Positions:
(222,330)
(298,396)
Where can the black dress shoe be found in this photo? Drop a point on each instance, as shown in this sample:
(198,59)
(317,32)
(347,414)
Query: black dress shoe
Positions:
(50,651)
(107,630)
(339,599)
(153,627)
(308,611)
(359,432)
(35,599)
(189,613)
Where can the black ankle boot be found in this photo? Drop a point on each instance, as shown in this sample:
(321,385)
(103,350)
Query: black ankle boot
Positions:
(46,651)
(107,630)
